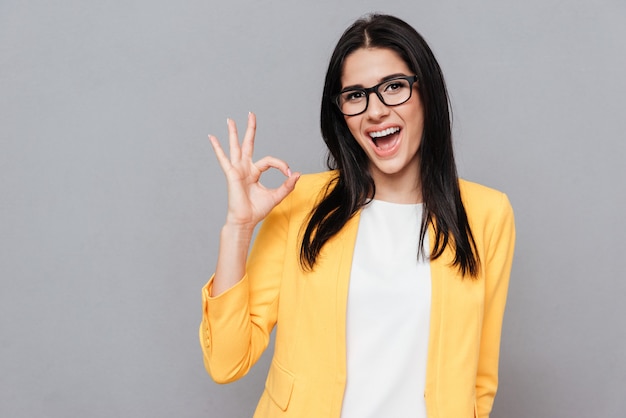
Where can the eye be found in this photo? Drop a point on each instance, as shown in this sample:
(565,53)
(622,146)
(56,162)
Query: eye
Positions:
(353,95)
(394,86)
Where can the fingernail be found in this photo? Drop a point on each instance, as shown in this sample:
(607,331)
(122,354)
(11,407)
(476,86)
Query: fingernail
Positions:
(227,120)
(288,172)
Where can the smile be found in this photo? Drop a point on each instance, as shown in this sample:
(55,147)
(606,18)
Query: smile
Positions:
(384,132)
(385,141)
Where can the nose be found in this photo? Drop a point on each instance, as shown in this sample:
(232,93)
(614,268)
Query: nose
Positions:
(375,107)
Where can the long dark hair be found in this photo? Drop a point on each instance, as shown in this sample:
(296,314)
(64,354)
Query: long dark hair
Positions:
(353,185)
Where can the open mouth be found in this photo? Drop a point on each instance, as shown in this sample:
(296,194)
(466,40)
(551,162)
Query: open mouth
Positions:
(386,138)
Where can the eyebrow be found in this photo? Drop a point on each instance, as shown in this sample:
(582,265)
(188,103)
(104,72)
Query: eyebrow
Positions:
(382,80)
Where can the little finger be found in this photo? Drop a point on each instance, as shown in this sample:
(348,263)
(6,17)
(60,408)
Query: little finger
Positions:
(222,158)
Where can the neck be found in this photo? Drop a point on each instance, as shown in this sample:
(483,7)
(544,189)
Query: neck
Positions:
(398,188)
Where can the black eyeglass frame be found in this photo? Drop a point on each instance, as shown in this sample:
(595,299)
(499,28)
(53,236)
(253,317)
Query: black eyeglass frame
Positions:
(412,79)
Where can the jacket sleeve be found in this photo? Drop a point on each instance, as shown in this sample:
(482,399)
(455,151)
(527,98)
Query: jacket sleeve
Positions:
(236,325)
(498,257)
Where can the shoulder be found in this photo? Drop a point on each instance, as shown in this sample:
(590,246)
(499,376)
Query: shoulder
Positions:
(484,204)
(316,181)
(309,190)
(476,196)
(311,187)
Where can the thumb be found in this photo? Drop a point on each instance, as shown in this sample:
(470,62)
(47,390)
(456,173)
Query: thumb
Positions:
(287,187)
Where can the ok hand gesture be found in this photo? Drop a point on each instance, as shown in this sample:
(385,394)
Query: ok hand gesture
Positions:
(249,201)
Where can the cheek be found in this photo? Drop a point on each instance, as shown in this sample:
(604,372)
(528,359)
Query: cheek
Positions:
(353,127)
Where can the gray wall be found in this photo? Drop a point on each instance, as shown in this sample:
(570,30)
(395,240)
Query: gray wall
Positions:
(111,199)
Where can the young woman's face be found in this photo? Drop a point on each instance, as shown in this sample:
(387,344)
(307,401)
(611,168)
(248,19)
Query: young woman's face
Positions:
(389,135)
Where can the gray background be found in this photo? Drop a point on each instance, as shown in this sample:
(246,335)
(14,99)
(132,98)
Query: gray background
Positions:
(111,199)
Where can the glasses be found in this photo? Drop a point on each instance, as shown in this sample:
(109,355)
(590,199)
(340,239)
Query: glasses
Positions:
(392,92)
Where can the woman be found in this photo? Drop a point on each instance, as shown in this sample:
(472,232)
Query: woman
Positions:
(386,276)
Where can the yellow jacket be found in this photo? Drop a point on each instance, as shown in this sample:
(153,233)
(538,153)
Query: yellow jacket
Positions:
(307,375)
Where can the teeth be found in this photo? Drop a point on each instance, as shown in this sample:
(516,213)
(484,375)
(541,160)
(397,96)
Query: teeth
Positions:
(385,132)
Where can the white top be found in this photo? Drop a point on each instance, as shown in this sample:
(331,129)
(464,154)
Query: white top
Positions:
(388,315)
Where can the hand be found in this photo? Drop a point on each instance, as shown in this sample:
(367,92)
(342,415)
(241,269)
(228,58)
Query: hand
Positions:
(249,201)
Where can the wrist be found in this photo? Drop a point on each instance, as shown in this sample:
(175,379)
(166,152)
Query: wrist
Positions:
(238,231)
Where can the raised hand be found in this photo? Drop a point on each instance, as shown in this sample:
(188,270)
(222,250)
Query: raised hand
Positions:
(248,200)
